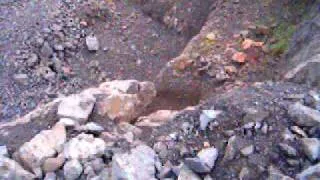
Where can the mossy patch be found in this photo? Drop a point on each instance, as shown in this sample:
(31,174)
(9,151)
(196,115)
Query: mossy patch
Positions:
(282,33)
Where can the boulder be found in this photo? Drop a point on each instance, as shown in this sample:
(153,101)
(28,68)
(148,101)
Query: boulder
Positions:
(139,164)
(44,145)
(84,146)
(10,169)
(77,107)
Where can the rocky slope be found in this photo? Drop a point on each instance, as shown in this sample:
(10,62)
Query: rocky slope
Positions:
(259,110)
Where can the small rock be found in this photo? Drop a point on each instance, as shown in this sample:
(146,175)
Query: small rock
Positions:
(157,118)
(275,174)
(207,116)
(231,149)
(46,51)
(72,169)
(58,47)
(244,173)
(92,127)
(187,174)
(239,57)
(211,36)
(298,131)
(247,150)
(53,164)
(92,43)
(303,115)
(50,176)
(311,147)
(32,60)
(311,172)
(21,78)
(4,151)
(67,122)
(208,156)
(288,150)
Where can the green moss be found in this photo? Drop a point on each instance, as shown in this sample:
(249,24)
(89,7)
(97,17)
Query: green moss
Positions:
(282,33)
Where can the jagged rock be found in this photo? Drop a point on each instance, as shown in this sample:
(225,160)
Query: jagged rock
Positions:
(77,107)
(53,164)
(303,115)
(125,100)
(3,151)
(10,169)
(139,164)
(311,172)
(204,161)
(91,127)
(67,122)
(72,169)
(311,147)
(187,174)
(92,43)
(207,116)
(50,176)
(84,146)
(231,149)
(44,145)
(157,118)
(288,150)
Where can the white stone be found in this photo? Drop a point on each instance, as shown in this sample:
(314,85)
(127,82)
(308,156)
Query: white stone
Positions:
(137,165)
(311,147)
(208,156)
(72,169)
(207,116)
(10,169)
(84,146)
(3,151)
(92,43)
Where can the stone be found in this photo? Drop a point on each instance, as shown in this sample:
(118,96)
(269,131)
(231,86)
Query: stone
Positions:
(240,57)
(157,118)
(207,116)
(46,50)
(84,146)
(139,164)
(53,164)
(50,176)
(311,172)
(4,151)
(44,145)
(275,174)
(97,165)
(32,60)
(288,150)
(67,122)
(197,165)
(247,150)
(231,149)
(72,169)
(77,107)
(21,78)
(208,156)
(92,43)
(92,127)
(303,115)
(10,169)
(187,174)
(298,131)
(255,115)
(244,173)
(311,147)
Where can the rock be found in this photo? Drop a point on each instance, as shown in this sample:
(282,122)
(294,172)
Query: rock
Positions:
(46,50)
(231,149)
(275,174)
(240,57)
(44,145)
(288,150)
(92,127)
(92,43)
(207,116)
(4,151)
(72,169)
(50,176)
(32,60)
(303,115)
(211,36)
(204,162)
(84,146)
(311,172)
(21,78)
(77,107)
(157,118)
(298,131)
(123,100)
(97,165)
(187,174)
(247,150)
(244,173)
(255,115)
(67,122)
(10,169)
(311,147)
(53,164)
(137,165)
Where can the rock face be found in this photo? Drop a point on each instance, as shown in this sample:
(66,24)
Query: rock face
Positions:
(44,145)
(10,169)
(77,107)
(84,146)
(303,64)
(303,115)
(137,165)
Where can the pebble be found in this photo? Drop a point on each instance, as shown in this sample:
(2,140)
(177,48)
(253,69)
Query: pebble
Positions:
(92,43)
(288,150)
(247,150)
